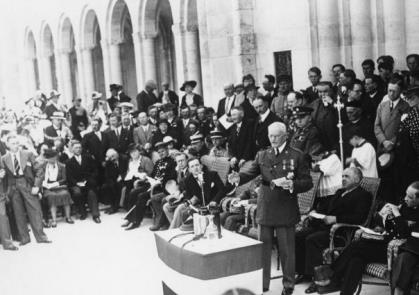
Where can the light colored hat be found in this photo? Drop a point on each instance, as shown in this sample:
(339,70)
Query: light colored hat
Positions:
(53,93)
(96,95)
(168,139)
(126,105)
(58,115)
(196,138)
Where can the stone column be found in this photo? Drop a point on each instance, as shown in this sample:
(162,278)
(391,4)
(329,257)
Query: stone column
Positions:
(412,26)
(179,39)
(360,11)
(80,77)
(106,65)
(149,57)
(394,31)
(193,58)
(67,89)
(136,39)
(87,66)
(115,63)
(46,74)
(31,76)
(328,36)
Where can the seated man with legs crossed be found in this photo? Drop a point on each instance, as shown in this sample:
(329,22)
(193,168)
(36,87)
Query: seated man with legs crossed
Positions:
(350,204)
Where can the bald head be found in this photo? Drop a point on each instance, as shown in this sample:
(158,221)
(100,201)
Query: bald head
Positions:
(351,177)
(150,85)
(111,154)
(277,133)
(229,89)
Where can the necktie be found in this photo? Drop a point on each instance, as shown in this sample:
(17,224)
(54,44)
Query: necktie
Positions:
(117,132)
(276,151)
(391,106)
(16,164)
(227,109)
(238,130)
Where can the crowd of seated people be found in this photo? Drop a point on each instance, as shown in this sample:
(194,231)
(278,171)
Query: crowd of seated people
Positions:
(135,154)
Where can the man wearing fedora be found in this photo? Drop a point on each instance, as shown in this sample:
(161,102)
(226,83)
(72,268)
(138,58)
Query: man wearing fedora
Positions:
(52,105)
(23,179)
(57,129)
(146,97)
(190,97)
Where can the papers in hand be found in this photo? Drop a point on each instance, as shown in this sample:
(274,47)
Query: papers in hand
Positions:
(316,215)
(223,121)
(371,232)
(152,181)
(81,183)
(415,234)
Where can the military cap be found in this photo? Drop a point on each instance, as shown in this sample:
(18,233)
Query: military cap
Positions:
(216,134)
(196,138)
(160,145)
(301,111)
(50,153)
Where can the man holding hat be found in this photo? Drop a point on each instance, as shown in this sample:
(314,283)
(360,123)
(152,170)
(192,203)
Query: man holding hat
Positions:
(306,137)
(57,129)
(190,97)
(218,150)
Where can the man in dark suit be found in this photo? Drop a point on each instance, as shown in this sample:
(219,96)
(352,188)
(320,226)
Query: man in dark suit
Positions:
(82,182)
(203,181)
(57,129)
(260,129)
(5,235)
(146,97)
(325,116)
(314,75)
(167,96)
(93,143)
(374,92)
(240,143)
(226,103)
(113,101)
(119,137)
(24,179)
(350,204)
(285,173)
(268,85)
(116,167)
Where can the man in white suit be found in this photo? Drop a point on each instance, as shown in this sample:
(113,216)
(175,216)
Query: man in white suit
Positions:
(144,132)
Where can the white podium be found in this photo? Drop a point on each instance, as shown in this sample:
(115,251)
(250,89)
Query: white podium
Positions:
(208,267)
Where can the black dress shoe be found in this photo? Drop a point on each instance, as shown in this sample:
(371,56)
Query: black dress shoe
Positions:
(97,219)
(83,217)
(154,228)
(11,247)
(45,224)
(311,289)
(126,224)
(69,220)
(301,279)
(112,211)
(287,291)
(133,226)
(23,243)
(44,242)
(265,289)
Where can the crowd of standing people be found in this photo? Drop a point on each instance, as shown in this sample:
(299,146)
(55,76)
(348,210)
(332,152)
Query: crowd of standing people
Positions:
(145,152)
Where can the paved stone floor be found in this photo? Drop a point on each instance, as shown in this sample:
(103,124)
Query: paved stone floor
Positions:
(91,259)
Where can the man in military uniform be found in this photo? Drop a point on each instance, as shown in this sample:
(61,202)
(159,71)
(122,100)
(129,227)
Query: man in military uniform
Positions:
(218,150)
(198,145)
(285,173)
(306,136)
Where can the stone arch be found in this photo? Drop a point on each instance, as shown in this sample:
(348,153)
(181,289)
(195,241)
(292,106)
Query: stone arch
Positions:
(121,47)
(31,63)
(91,37)
(68,59)
(48,66)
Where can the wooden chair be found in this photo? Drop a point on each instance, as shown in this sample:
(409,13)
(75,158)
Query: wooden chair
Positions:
(306,200)
(343,233)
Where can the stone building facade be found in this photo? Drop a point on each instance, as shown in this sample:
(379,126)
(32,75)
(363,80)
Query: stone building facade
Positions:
(79,46)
